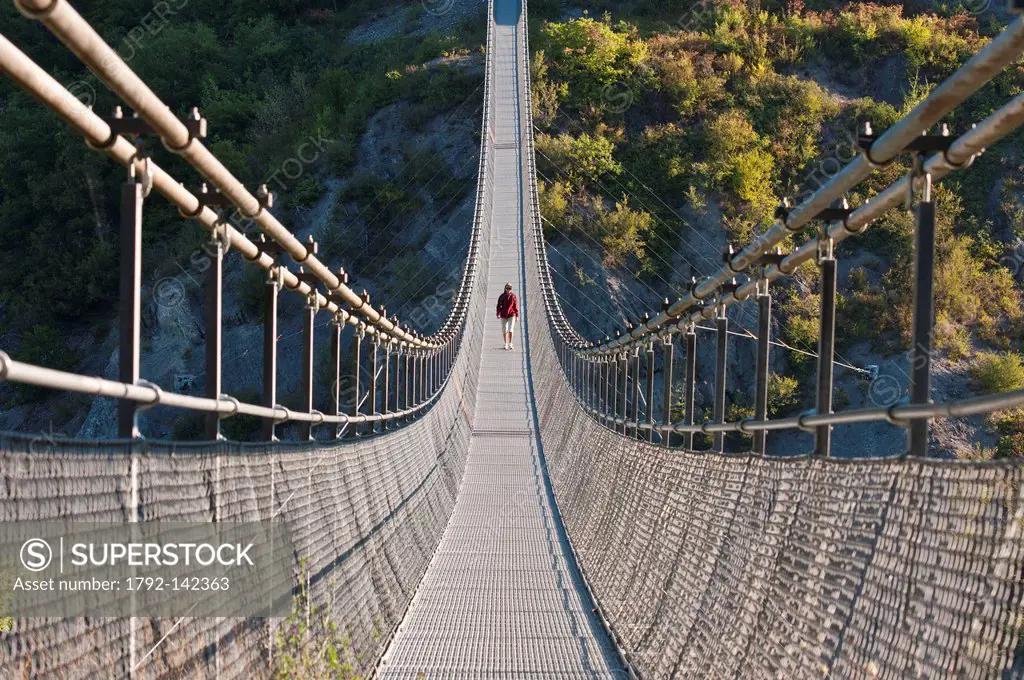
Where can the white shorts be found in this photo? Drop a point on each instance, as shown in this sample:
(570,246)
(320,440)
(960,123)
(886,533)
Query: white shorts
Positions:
(507,324)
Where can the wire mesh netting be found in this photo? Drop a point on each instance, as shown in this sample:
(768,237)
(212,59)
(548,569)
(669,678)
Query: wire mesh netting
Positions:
(364,516)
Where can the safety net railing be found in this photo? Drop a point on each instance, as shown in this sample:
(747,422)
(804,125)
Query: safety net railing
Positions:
(364,501)
(712,564)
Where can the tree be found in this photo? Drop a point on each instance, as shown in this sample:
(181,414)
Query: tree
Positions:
(582,159)
(622,233)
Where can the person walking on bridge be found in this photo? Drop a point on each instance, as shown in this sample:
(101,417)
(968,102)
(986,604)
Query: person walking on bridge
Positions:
(508,312)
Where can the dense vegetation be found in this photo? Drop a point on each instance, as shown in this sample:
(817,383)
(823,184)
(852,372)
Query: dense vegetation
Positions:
(267,75)
(727,107)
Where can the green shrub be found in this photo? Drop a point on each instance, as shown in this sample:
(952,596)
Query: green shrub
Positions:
(1009,427)
(590,55)
(622,233)
(783,394)
(547,94)
(411,273)
(738,160)
(583,159)
(309,642)
(998,372)
(554,205)
(307,190)
(790,112)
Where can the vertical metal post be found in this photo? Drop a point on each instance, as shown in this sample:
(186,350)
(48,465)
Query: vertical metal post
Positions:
(826,344)
(130,298)
(649,411)
(624,398)
(587,384)
(428,374)
(385,402)
(604,388)
(690,386)
(435,372)
(336,324)
(764,326)
(418,383)
(722,323)
(635,390)
(399,358)
(924,315)
(585,393)
(666,406)
(614,387)
(407,375)
(573,376)
(423,377)
(269,396)
(214,309)
(414,377)
(357,351)
(374,369)
(308,320)
(592,387)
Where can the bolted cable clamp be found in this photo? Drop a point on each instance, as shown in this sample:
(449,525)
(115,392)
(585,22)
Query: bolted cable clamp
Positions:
(782,213)
(312,248)
(826,246)
(836,213)
(196,126)
(727,257)
(312,280)
(267,246)
(922,144)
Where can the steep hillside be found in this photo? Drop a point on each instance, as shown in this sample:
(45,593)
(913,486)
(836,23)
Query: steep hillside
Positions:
(668,130)
(363,118)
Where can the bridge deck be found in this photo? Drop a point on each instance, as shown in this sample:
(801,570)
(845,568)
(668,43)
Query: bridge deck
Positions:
(502,596)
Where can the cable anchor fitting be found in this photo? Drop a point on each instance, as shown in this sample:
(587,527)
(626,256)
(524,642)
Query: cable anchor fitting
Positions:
(727,256)
(196,127)
(917,175)
(312,248)
(782,213)
(826,245)
(310,279)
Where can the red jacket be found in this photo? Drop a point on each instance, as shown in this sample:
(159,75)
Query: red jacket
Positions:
(508,305)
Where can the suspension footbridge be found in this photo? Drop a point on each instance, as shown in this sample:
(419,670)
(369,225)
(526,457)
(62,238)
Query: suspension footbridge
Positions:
(541,512)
